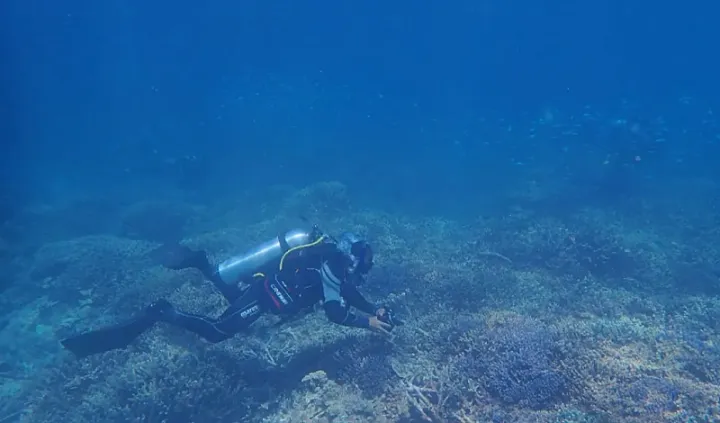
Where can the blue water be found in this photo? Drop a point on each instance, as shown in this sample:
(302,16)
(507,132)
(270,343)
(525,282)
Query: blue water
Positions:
(100,96)
(452,109)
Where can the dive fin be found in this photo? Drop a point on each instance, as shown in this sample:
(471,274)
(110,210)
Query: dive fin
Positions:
(109,338)
(178,257)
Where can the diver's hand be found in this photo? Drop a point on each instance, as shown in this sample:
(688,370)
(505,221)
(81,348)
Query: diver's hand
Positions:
(379,326)
(385,314)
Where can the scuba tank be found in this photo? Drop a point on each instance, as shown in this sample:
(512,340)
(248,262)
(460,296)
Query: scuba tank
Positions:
(269,253)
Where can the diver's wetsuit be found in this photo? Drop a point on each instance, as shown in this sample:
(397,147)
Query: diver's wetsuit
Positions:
(317,273)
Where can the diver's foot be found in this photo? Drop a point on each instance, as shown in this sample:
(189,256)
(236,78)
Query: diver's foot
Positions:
(160,309)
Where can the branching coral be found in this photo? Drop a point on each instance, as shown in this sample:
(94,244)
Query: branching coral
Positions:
(652,394)
(515,360)
(165,384)
(365,363)
(433,394)
(10,411)
(575,247)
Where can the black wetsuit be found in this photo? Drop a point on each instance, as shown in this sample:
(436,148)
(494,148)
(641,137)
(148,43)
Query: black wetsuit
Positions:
(312,275)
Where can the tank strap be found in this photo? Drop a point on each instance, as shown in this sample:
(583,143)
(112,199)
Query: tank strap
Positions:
(283,242)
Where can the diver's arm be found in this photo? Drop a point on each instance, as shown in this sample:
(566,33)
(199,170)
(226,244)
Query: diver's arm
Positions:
(353,297)
(341,315)
(335,298)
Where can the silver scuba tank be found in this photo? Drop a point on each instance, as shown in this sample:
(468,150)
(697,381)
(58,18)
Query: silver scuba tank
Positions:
(242,266)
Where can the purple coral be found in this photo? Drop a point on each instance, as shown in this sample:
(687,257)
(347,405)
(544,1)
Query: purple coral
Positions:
(364,364)
(515,361)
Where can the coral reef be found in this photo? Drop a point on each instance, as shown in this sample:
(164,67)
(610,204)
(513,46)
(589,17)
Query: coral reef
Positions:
(365,364)
(321,400)
(517,362)
(584,318)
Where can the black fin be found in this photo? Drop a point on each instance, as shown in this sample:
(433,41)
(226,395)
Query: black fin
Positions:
(108,338)
(178,257)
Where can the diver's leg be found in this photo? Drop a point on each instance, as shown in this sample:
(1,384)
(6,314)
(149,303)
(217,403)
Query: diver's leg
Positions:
(238,317)
(230,292)
(178,257)
(210,272)
(116,336)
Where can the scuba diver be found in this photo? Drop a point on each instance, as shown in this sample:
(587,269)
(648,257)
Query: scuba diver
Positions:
(285,276)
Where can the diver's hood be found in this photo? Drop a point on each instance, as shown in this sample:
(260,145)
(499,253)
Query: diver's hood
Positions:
(358,251)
